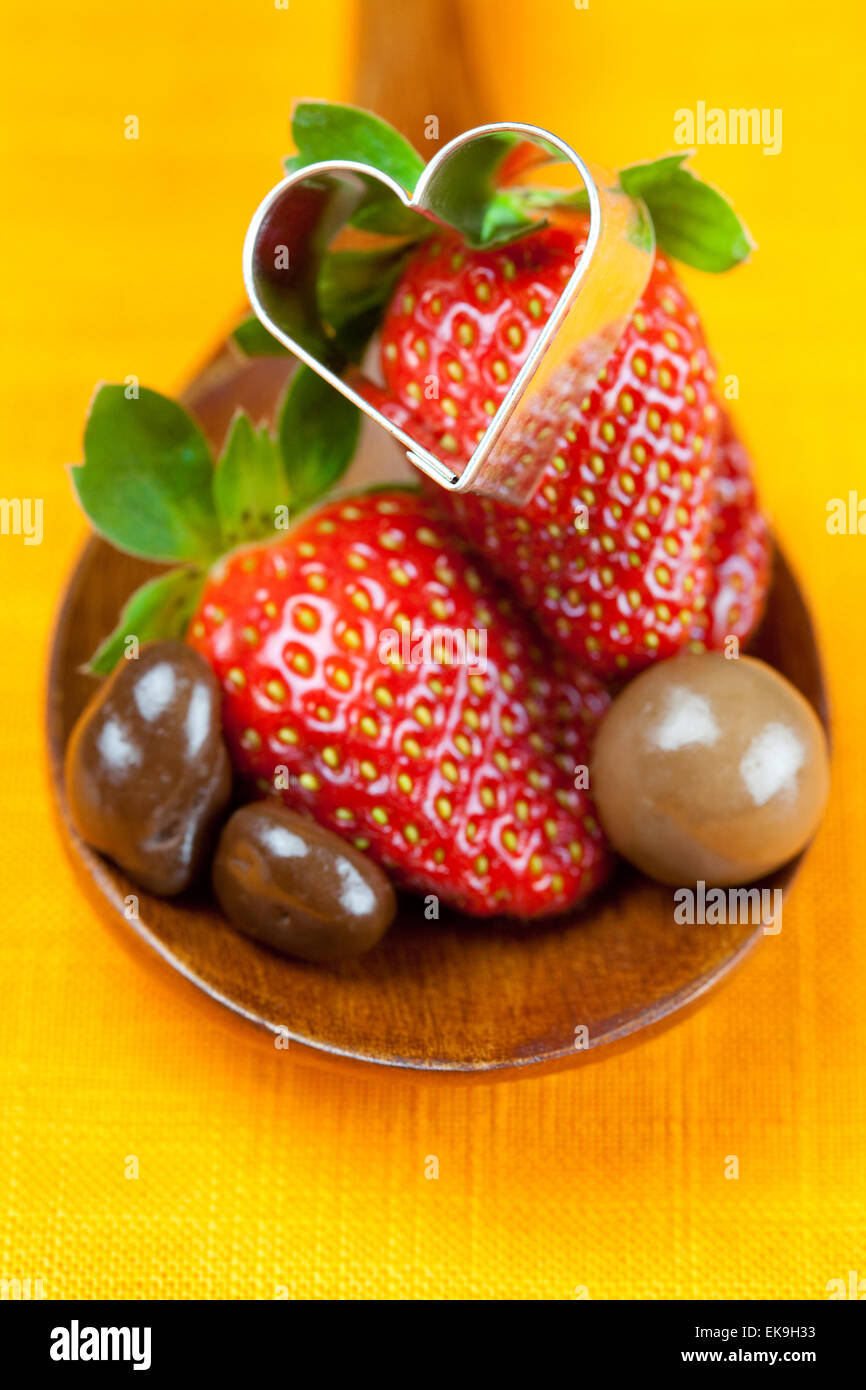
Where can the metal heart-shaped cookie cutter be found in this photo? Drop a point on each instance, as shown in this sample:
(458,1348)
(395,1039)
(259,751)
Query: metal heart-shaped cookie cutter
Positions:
(302,214)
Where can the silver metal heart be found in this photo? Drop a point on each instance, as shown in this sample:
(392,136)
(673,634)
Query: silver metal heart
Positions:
(302,214)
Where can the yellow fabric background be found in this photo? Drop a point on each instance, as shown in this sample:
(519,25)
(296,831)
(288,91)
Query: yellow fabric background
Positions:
(123,257)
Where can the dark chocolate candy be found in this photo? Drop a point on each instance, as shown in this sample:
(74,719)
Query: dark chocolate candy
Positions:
(291,883)
(147,772)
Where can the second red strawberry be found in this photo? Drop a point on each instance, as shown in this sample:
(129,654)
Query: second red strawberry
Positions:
(612,555)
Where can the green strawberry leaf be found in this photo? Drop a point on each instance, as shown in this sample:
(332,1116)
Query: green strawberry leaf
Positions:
(380,210)
(249,483)
(254,340)
(160,609)
(351,339)
(505,220)
(465,195)
(329,130)
(639,179)
(350,282)
(354,334)
(382,213)
(318,435)
(695,224)
(543,198)
(352,288)
(145,483)
(642,233)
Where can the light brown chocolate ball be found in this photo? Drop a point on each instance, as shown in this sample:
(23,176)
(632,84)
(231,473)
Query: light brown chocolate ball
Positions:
(709,768)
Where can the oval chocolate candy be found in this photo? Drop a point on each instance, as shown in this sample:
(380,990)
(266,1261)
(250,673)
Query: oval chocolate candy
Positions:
(289,882)
(148,775)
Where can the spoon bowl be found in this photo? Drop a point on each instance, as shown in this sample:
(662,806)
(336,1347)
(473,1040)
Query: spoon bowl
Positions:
(451,996)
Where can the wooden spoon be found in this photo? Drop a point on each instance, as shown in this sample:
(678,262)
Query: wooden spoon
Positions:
(453,996)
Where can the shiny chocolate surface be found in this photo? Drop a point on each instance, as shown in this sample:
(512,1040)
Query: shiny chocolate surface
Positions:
(147,771)
(710,768)
(289,882)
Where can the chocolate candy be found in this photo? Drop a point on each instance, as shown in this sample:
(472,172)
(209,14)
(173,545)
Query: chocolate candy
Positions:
(147,772)
(291,883)
(708,768)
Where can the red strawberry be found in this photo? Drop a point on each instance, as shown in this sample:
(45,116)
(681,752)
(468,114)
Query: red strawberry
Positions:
(461,784)
(610,552)
(740,551)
